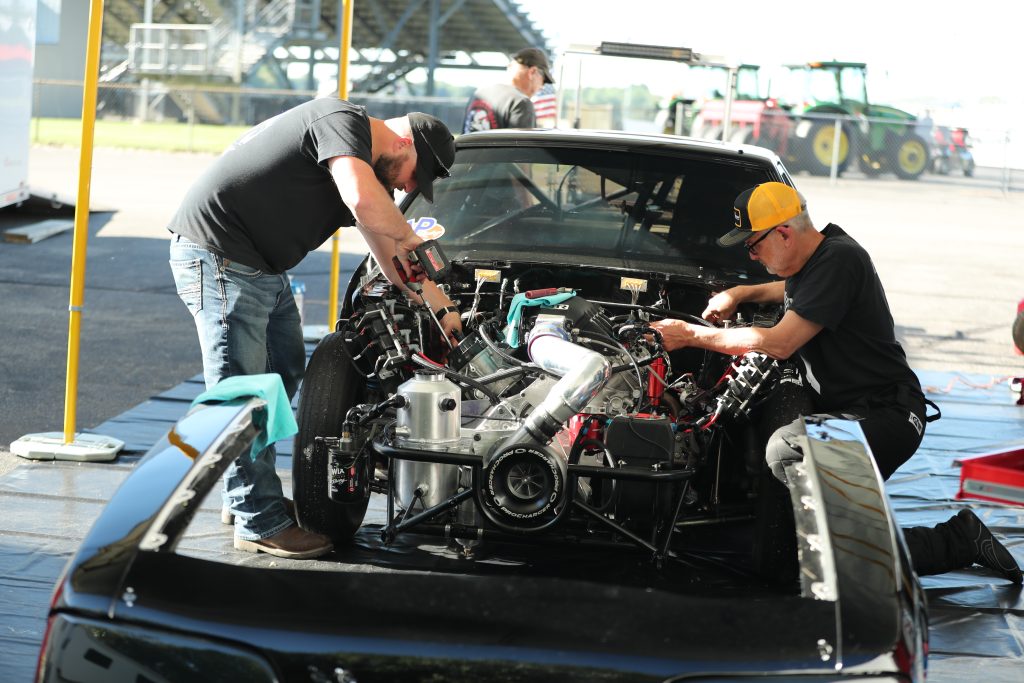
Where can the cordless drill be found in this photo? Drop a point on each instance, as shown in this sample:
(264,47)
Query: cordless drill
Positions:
(435,264)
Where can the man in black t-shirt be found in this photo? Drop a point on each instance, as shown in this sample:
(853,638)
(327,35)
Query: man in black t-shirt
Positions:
(838,325)
(275,195)
(508,105)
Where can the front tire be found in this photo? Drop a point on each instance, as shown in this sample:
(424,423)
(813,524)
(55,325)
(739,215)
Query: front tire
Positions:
(330,388)
(820,145)
(870,166)
(910,158)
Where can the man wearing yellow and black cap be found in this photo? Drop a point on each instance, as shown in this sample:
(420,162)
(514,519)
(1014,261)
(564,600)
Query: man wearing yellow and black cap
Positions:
(838,326)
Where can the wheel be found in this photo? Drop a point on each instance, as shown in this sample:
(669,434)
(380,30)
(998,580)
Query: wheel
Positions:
(941,165)
(870,166)
(1018,332)
(968,164)
(331,386)
(820,142)
(910,157)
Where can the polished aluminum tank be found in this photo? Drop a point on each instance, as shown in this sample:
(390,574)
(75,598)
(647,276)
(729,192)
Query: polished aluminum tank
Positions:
(429,420)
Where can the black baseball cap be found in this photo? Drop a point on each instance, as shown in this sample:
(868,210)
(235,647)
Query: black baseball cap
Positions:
(435,151)
(531,56)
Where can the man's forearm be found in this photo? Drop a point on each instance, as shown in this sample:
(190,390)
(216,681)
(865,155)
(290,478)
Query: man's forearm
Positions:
(730,341)
(766,293)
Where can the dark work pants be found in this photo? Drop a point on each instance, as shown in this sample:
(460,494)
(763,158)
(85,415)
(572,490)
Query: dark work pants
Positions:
(893,432)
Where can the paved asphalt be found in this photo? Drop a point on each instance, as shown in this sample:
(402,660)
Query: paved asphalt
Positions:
(947,249)
(137,338)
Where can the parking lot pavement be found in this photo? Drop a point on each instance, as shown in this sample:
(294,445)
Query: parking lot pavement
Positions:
(137,338)
(8,461)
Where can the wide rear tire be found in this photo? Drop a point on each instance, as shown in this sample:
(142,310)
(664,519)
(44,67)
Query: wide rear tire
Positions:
(330,388)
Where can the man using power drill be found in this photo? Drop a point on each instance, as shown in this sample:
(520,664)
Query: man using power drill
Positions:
(275,195)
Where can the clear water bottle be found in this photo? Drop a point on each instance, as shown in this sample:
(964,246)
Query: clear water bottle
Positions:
(299,294)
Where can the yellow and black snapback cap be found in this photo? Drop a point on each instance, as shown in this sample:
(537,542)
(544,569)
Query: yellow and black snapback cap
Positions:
(762,207)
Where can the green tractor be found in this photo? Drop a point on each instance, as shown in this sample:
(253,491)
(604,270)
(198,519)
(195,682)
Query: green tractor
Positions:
(812,97)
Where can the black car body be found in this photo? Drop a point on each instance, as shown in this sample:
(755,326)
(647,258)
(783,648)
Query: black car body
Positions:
(586,521)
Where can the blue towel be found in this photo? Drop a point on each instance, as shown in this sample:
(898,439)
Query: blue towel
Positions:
(515,312)
(275,423)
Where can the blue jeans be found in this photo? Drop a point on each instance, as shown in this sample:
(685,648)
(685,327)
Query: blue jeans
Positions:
(248,324)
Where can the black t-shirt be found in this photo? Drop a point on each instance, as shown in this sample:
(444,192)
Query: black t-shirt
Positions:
(855,360)
(498,106)
(270,199)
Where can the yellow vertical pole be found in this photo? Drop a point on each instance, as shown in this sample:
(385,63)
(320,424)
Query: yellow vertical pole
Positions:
(92,70)
(346,44)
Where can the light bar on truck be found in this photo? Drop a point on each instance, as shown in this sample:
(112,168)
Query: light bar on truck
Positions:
(673,54)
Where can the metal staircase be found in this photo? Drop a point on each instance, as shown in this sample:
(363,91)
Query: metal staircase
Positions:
(230,48)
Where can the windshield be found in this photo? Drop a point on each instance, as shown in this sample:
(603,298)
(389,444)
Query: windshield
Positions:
(589,207)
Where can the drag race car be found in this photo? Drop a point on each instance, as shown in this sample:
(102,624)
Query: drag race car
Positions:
(551,495)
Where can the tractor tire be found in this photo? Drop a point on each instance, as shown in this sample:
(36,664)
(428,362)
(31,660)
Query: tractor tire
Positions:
(817,158)
(871,166)
(909,158)
(969,167)
(1018,331)
(331,386)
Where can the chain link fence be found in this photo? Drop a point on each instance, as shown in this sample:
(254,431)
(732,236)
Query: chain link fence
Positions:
(189,105)
(836,145)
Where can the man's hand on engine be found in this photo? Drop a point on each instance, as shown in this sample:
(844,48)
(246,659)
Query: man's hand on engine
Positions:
(675,334)
(722,306)
(403,248)
(452,323)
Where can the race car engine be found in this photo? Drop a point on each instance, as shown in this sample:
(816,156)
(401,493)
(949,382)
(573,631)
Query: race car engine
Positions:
(552,411)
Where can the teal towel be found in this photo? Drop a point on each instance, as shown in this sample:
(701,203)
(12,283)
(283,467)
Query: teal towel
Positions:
(515,312)
(275,423)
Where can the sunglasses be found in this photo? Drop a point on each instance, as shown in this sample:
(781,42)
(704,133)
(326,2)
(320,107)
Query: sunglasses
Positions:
(752,247)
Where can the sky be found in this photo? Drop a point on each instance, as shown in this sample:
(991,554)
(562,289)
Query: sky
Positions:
(944,51)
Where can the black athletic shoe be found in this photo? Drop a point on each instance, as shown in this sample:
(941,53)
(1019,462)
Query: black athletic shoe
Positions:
(988,551)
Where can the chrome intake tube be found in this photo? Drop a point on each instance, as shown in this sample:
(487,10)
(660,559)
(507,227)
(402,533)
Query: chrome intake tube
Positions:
(584,373)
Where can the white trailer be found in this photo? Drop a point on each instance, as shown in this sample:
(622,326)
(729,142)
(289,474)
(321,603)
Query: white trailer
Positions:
(17,49)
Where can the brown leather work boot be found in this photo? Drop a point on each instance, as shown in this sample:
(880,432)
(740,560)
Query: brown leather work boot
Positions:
(226,516)
(292,543)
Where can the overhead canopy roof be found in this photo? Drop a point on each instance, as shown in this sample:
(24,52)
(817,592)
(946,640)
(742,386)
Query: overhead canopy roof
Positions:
(433,33)
(470,26)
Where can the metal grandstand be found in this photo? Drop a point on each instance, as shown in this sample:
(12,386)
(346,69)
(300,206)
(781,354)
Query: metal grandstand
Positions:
(251,42)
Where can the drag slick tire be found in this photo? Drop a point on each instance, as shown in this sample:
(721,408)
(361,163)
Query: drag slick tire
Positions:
(330,388)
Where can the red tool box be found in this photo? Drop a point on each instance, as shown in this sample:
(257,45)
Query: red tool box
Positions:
(997,476)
